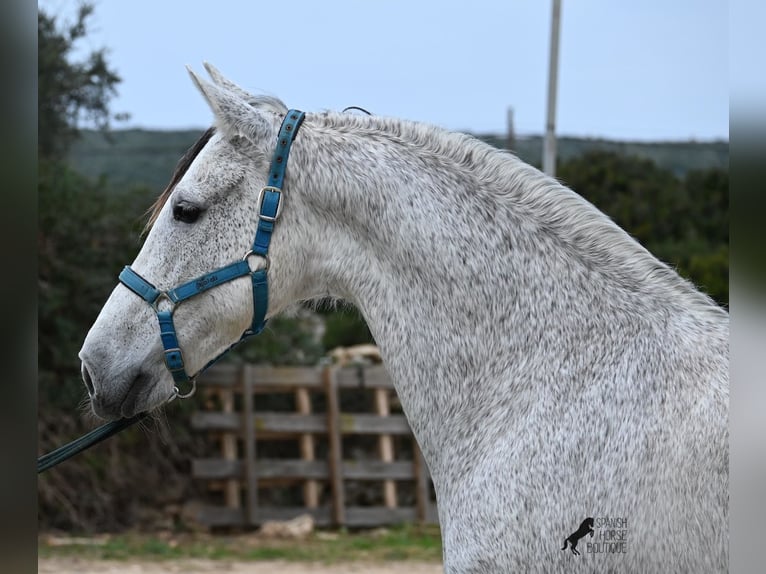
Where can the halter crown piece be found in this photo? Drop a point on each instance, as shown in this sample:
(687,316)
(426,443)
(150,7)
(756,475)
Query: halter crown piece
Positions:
(269,209)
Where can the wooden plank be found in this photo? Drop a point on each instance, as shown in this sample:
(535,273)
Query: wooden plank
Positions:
(374,377)
(264,422)
(385,447)
(229,450)
(220,375)
(215,468)
(374,424)
(377,470)
(308,377)
(357,516)
(251,473)
(225,375)
(310,487)
(301,469)
(299,424)
(219,469)
(335,453)
(214,421)
(290,423)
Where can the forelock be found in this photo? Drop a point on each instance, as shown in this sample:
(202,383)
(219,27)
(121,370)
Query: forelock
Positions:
(180,170)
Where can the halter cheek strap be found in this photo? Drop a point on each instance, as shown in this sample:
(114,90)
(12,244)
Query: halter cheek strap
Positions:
(269,208)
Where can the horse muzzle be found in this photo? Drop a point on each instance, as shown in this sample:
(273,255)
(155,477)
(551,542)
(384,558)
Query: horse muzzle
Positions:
(132,393)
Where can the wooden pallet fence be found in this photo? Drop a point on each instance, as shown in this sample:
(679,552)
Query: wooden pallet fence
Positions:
(234,420)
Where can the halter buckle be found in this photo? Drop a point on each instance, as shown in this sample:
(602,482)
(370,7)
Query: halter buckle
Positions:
(261,215)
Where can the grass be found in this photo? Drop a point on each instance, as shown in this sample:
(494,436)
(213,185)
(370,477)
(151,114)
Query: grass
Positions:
(420,543)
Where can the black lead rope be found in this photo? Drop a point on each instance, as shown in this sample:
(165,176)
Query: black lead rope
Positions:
(97,435)
(86,441)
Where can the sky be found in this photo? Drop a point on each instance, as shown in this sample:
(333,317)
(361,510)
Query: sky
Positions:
(630,70)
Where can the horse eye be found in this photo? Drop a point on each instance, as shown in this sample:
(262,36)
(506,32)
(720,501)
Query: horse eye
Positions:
(186,213)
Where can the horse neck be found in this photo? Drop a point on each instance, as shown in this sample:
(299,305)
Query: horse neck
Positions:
(466,275)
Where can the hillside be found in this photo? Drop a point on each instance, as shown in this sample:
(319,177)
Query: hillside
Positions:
(131,157)
(147,157)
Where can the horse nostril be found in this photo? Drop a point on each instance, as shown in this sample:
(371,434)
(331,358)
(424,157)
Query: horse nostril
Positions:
(88,381)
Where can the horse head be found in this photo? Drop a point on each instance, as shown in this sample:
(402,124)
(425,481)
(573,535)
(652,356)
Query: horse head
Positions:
(206,219)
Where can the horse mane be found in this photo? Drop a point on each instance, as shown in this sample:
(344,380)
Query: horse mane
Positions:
(581,228)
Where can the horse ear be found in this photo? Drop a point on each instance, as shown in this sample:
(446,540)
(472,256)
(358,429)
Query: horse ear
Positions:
(234,115)
(220,80)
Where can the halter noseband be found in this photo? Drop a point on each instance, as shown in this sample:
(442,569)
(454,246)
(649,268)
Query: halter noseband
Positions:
(269,208)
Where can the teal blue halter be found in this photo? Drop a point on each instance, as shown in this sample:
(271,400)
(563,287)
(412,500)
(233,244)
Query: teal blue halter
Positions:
(269,209)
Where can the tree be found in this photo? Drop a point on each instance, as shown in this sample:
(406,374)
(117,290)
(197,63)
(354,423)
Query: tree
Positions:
(69,91)
(684,222)
(80,235)
(85,235)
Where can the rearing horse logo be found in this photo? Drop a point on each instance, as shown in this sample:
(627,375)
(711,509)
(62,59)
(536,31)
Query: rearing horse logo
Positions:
(585,528)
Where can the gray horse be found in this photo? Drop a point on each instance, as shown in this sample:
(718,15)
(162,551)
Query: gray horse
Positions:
(550,367)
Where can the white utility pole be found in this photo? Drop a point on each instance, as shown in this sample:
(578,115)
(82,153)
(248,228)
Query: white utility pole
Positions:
(510,134)
(549,149)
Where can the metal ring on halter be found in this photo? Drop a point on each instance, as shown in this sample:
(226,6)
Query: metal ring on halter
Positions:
(250,253)
(163,296)
(177,392)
